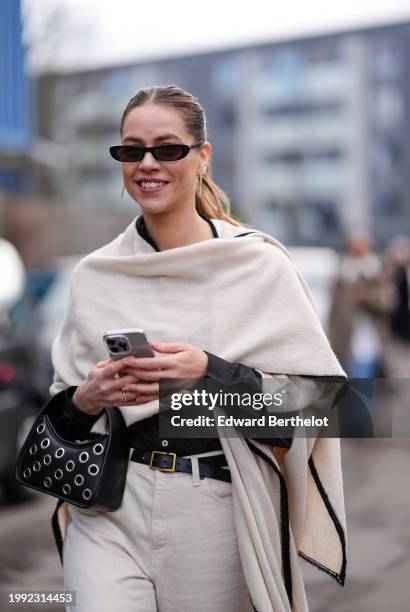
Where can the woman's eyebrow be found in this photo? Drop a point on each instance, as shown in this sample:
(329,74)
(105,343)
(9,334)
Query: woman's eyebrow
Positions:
(157,139)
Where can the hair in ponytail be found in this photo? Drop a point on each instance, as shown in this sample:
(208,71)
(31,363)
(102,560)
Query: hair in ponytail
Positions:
(212,202)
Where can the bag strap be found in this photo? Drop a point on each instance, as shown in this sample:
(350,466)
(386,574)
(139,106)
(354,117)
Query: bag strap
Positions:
(115,419)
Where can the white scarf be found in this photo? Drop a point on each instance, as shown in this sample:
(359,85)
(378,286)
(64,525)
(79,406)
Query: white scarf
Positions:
(242,299)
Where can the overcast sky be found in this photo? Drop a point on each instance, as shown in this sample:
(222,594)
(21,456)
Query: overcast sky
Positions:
(73,34)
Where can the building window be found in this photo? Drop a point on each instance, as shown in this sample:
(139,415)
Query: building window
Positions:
(226,75)
(385,59)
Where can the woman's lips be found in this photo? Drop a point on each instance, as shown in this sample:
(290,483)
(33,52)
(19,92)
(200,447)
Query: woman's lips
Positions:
(151,186)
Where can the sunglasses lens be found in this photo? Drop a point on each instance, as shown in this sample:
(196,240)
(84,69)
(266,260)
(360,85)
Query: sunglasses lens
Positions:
(170,152)
(127,154)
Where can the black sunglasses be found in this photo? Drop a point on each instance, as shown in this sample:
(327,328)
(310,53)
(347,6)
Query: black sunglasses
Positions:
(166,152)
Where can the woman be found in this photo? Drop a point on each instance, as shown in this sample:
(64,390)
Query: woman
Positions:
(217,301)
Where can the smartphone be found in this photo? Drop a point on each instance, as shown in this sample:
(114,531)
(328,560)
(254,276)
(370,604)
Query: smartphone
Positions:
(122,343)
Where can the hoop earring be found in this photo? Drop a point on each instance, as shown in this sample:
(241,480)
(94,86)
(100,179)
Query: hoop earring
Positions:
(122,191)
(200,184)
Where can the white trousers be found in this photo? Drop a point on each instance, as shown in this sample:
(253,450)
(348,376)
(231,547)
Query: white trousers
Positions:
(170,547)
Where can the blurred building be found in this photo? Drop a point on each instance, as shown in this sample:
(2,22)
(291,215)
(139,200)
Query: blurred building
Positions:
(16,100)
(309,135)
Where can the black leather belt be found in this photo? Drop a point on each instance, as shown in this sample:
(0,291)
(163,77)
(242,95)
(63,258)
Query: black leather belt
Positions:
(209,467)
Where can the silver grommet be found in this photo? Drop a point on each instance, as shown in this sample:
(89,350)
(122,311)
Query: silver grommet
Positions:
(33,449)
(79,480)
(93,469)
(70,465)
(27,472)
(48,482)
(98,448)
(59,452)
(87,493)
(36,466)
(58,474)
(83,457)
(45,443)
(47,459)
(40,428)
(66,489)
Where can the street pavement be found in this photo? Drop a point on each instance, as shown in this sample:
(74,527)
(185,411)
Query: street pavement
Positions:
(377,495)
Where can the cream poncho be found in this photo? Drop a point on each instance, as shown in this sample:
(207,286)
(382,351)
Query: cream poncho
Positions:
(242,299)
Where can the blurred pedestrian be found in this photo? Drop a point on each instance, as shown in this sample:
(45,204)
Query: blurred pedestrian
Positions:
(397,259)
(361,305)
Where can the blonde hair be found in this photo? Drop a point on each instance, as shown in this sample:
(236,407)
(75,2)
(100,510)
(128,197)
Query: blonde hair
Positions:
(212,202)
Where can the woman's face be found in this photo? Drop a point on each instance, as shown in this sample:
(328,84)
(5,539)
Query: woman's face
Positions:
(160,186)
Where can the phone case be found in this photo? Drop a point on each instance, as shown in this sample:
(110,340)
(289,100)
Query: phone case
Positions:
(122,343)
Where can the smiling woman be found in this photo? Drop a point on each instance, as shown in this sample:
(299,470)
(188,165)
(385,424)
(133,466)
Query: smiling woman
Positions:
(166,165)
(205,522)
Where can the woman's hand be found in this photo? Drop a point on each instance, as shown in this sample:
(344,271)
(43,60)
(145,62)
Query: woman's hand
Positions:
(180,360)
(103,387)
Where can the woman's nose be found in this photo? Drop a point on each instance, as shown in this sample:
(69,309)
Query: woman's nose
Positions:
(148,161)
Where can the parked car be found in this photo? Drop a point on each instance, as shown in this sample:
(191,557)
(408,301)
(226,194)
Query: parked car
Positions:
(20,395)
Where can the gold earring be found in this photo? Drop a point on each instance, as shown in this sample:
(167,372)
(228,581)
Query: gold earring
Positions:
(122,191)
(200,184)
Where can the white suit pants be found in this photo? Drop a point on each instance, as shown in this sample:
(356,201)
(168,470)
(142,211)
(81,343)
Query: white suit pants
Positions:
(170,547)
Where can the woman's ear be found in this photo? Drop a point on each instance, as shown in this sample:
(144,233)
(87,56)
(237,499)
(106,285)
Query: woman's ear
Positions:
(205,154)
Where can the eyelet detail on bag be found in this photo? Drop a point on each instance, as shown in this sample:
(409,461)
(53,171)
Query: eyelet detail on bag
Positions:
(48,482)
(47,459)
(66,489)
(36,466)
(87,493)
(84,457)
(98,449)
(33,449)
(70,465)
(93,469)
(79,480)
(45,443)
(58,474)
(27,472)
(59,452)
(40,428)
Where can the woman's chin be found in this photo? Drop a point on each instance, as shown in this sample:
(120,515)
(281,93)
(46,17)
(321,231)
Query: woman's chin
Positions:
(154,208)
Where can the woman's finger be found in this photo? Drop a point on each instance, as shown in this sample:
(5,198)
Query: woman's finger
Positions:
(151,375)
(143,375)
(114,367)
(123,381)
(148,389)
(102,364)
(151,363)
(168,347)
(144,399)
(132,399)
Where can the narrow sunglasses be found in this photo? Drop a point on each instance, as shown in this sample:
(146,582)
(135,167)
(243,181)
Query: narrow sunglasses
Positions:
(166,152)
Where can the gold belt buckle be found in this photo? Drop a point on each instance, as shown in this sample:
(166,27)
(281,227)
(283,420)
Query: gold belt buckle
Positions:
(162,469)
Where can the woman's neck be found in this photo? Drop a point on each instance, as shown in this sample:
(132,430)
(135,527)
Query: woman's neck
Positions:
(173,231)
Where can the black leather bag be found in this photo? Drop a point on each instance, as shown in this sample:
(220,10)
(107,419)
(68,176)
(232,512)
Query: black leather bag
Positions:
(88,474)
